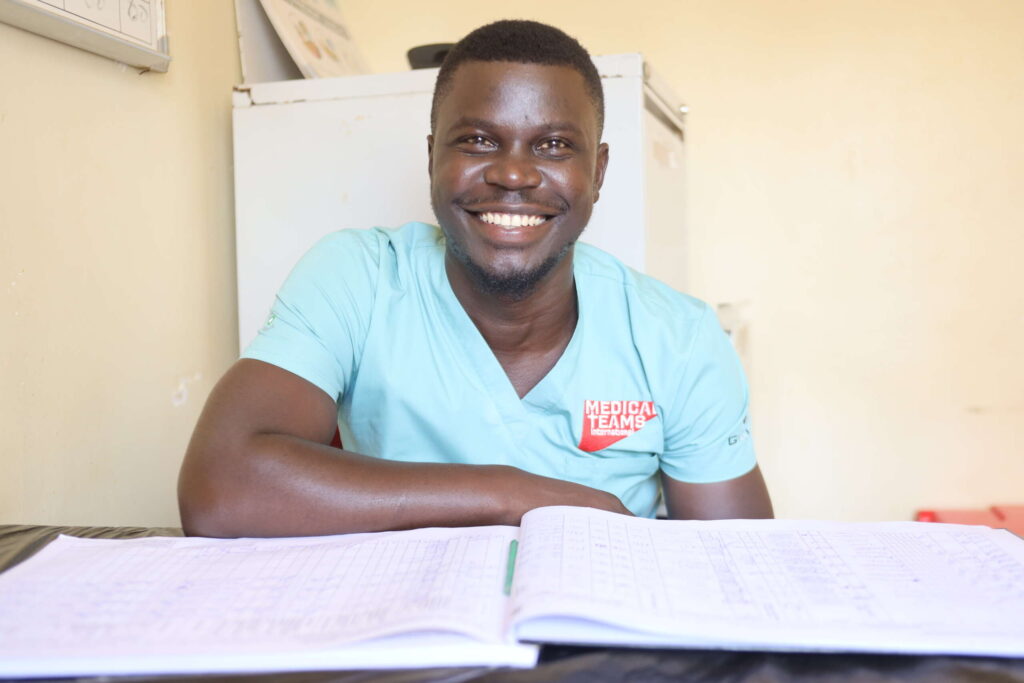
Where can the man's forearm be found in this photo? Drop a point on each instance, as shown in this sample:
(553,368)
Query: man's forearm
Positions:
(278,485)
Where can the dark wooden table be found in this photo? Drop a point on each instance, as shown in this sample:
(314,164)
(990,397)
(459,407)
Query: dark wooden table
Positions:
(598,665)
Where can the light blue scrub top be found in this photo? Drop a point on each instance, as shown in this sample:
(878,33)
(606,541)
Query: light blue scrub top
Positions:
(648,381)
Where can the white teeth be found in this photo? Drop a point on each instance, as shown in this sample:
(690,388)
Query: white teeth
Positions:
(511,220)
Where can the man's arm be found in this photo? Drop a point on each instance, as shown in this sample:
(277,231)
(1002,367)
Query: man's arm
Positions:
(745,497)
(259,465)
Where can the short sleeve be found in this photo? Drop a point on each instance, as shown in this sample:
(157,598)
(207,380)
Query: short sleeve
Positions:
(320,317)
(707,430)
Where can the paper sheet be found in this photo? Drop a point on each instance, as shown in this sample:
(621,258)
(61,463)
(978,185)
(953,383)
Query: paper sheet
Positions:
(316,37)
(190,602)
(898,586)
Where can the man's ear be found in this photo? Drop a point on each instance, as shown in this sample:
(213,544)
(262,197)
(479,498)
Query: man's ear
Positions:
(430,157)
(600,167)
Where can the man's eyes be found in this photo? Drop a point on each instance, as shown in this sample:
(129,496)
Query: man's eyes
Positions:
(555,145)
(556,148)
(478,141)
(552,147)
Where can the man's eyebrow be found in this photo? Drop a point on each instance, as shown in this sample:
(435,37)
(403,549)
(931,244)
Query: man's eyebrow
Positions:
(472,122)
(485,124)
(567,126)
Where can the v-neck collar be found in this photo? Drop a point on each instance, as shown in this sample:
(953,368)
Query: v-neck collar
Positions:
(486,365)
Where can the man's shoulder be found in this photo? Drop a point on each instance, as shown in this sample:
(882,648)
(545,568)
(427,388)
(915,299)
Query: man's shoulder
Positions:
(371,248)
(645,296)
(406,237)
(412,235)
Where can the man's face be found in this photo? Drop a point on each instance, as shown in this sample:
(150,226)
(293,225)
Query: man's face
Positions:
(516,164)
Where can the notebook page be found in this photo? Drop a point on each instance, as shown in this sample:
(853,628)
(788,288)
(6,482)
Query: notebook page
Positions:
(199,597)
(823,585)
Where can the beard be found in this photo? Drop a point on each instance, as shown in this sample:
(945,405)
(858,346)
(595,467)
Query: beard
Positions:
(514,285)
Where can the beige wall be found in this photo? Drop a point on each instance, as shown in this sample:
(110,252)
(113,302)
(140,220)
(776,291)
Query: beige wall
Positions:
(116,268)
(851,164)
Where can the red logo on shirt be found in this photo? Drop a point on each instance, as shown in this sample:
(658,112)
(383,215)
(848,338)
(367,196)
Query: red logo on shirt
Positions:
(605,422)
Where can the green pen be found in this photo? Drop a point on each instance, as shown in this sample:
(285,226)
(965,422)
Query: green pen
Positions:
(510,570)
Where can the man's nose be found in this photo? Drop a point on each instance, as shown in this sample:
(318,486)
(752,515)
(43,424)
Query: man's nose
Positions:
(513,170)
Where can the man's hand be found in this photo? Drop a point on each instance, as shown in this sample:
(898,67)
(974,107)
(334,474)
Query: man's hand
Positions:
(259,465)
(529,491)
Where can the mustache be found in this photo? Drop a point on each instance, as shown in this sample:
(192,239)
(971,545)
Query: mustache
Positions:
(553,205)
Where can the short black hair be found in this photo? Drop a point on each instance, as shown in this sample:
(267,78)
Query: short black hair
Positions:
(520,42)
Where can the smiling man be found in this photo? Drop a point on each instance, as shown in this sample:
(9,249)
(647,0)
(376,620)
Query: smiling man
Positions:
(486,367)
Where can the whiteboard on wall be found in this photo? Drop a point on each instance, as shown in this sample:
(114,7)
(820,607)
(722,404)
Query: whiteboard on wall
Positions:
(130,31)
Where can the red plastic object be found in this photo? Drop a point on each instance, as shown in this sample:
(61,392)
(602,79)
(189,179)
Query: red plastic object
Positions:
(1012,517)
(985,517)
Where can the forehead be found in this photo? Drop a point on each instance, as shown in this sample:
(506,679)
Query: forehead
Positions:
(510,92)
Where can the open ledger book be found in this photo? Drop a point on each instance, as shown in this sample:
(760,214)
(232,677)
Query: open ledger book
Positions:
(471,596)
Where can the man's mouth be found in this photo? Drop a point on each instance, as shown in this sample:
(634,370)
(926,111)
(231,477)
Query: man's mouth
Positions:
(511,220)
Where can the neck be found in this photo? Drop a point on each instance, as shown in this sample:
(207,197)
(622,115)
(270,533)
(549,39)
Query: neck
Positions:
(542,319)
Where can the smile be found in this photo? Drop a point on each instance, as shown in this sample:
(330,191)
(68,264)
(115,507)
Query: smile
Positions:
(513,220)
